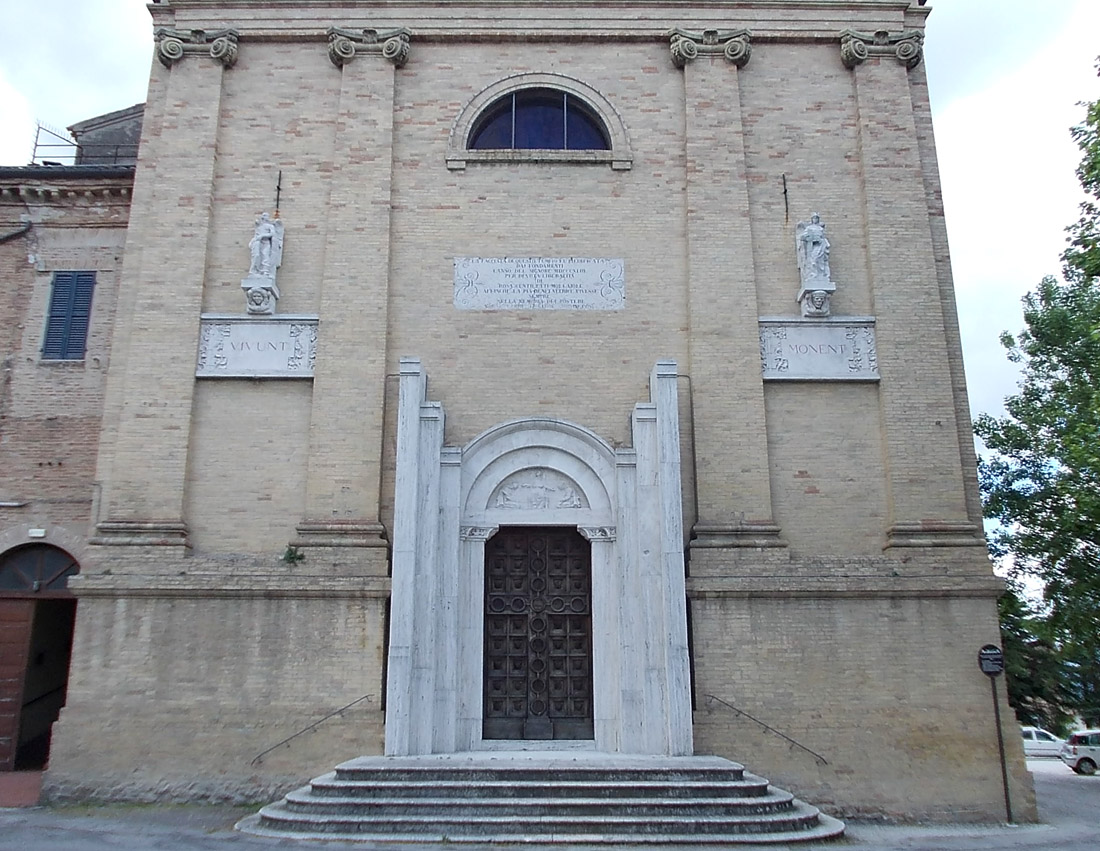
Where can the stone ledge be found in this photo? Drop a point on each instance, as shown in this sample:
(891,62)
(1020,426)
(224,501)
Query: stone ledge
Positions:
(845,586)
(207,585)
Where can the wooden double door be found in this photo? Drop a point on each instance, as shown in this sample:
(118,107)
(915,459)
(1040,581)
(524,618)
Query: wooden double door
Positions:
(538,634)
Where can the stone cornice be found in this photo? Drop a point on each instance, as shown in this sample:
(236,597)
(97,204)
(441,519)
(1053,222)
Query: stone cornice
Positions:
(344,45)
(907,46)
(173,45)
(685,45)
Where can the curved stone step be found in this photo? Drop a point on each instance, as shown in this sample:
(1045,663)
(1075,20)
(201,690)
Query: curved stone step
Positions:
(540,798)
(328,785)
(528,807)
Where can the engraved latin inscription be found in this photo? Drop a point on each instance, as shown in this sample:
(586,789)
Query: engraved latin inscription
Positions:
(539,283)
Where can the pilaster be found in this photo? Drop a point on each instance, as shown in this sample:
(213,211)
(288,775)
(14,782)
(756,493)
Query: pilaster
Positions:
(926,492)
(345,448)
(152,375)
(727,393)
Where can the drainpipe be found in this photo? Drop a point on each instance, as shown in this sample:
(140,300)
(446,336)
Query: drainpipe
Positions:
(26,228)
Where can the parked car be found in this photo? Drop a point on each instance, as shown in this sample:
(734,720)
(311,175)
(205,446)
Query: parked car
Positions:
(1081,752)
(1038,742)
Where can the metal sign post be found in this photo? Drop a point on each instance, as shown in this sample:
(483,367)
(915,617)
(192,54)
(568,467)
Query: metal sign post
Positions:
(991,660)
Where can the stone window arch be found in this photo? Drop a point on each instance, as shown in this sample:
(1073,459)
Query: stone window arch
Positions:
(485,130)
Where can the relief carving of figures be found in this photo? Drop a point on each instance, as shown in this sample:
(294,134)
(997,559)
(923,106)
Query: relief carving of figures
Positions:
(812,248)
(266,250)
(537,490)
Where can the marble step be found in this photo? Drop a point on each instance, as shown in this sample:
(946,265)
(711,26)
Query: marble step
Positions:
(490,828)
(329,785)
(531,807)
(542,798)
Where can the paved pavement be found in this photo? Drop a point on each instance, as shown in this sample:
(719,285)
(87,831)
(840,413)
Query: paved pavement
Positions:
(1068,805)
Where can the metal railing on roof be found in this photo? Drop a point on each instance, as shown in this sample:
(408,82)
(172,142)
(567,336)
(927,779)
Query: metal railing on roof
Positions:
(54,148)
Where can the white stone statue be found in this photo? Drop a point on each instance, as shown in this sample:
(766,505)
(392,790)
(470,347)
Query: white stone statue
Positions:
(266,246)
(266,249)
(813,266)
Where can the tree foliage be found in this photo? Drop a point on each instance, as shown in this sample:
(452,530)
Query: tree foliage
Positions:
(1040,685)
(1040,479)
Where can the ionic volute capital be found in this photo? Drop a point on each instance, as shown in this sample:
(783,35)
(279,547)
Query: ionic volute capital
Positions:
(345,45)
(685,45)
(173,45)
(907,47)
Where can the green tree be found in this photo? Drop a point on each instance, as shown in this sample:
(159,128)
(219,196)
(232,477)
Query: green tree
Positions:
(1040,683)
(1040,479)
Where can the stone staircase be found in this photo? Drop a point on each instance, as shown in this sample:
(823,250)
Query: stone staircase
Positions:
(543,798)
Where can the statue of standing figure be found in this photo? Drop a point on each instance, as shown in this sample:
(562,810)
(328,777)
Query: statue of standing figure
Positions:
(266,249)
(813,266)
(266,246)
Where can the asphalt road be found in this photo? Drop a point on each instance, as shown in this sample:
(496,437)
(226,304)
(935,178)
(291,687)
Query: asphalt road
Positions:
(1069,806)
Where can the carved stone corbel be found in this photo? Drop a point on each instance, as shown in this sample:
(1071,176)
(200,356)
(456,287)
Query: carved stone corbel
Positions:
(173,45)
(597,533)
(477,533)
(906,46)
(345,45)
(685,45)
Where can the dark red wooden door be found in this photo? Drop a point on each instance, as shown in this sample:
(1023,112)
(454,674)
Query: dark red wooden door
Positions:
(16,622)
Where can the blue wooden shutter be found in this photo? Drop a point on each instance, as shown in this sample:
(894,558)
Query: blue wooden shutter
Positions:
(70,312)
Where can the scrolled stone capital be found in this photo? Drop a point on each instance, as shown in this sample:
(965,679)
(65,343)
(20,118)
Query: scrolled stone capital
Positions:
(683,50)
(910,51)
(907,47)
(344,45)
(396,50)
(224,49)
(173,45)
(341,49)
(739,50)
(686,45)
(169,49)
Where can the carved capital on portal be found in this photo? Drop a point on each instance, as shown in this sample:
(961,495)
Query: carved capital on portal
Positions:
(907,47)
(685,45)
(173,45)
(345,45)
(597,533)
(477,533)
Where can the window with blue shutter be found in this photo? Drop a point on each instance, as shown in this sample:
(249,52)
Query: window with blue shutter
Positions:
(70,311)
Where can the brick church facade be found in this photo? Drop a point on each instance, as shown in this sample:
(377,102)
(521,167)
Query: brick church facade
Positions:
(572,375)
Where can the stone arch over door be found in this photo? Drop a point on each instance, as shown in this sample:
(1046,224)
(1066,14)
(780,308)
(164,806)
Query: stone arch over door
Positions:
(37,616)
(538,472)
(530,473)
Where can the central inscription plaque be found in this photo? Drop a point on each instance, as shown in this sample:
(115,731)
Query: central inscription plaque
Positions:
(539,283)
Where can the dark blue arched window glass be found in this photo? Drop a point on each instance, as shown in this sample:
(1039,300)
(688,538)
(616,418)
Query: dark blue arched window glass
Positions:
(540,119)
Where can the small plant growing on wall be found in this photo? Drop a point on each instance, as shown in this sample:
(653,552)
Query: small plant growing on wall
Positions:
(293,555)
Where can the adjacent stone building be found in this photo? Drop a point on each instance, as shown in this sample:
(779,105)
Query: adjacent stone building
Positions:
(541,375)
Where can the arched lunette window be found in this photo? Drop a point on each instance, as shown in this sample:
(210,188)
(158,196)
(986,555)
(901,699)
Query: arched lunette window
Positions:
(539,119)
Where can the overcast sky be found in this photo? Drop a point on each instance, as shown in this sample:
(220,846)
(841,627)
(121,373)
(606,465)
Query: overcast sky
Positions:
(1006,78)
